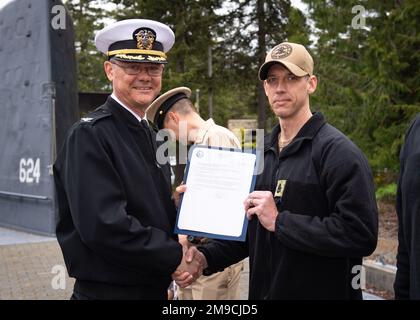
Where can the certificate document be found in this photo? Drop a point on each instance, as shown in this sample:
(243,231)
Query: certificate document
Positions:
(218,181)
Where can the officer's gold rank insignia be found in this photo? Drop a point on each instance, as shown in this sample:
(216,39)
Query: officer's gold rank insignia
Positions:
(281,184)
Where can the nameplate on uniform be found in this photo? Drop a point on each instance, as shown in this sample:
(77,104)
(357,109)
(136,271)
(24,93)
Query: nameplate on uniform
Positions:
(281,184)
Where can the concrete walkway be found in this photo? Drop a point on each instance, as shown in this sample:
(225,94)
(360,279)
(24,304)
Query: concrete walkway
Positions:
(31,266)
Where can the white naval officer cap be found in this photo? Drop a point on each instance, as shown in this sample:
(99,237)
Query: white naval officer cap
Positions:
(136,40)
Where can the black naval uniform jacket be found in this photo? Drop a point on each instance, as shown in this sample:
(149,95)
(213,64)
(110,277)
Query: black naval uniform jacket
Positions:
(327,219)
(407,280)
(116,216)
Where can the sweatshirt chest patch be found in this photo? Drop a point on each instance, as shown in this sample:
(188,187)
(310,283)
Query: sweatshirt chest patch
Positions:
(281,184)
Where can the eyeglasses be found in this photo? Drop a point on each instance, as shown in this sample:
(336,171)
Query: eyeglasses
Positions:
(135,68)
(274,81)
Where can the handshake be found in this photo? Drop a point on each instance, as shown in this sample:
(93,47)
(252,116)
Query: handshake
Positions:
(191,267)
(193,261)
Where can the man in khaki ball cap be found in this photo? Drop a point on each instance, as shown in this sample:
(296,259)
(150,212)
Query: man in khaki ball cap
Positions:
(313,216)
(293,56)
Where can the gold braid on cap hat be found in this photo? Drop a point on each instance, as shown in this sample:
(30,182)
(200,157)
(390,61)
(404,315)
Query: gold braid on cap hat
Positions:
(136,51)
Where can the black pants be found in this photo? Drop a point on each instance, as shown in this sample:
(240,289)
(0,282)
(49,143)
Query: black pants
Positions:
(79,296)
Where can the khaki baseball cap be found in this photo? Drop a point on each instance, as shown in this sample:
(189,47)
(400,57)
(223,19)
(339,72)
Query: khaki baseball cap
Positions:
(293,56)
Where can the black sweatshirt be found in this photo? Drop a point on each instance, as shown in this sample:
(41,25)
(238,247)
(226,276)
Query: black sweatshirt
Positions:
(327,219)
(407,280)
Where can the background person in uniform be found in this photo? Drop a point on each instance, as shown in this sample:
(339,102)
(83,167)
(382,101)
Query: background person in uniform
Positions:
(116,216)
(174,111)
(313,215)
(407,280)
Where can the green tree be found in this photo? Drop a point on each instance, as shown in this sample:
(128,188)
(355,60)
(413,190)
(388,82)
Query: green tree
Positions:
(391,63)
(239,33)
(87,17)
(251,28)
(368,78)
(195,24)
(236,33)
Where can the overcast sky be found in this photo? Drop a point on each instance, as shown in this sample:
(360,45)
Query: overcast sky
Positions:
(300,5)
(295,3)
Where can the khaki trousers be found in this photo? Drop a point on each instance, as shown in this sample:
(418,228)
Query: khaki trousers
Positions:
(223,285)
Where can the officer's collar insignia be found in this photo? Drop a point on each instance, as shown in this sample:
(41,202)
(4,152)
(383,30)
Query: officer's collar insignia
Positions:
(145,38)
(281,184)
(86,119)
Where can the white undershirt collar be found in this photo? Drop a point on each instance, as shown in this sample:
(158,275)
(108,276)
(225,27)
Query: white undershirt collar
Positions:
(113,96)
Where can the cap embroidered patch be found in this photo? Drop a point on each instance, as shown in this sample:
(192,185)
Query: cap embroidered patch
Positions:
(292,56)
(281,51)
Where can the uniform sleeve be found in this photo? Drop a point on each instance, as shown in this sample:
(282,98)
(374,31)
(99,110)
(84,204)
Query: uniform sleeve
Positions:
(351,228)
(97,203)
(221,254)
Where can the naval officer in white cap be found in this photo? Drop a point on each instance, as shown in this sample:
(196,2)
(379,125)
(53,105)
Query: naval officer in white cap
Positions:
(116,216)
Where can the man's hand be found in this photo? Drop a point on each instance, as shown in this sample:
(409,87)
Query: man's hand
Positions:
(176,196)
(183,240)
(261,204)
(191,267)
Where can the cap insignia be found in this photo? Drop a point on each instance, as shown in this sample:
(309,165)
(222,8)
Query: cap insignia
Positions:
(145,38)
(281,51)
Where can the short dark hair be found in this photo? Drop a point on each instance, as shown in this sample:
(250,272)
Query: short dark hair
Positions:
(183,106)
